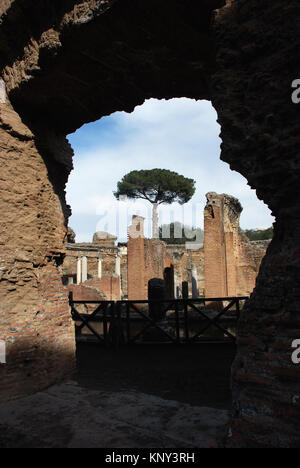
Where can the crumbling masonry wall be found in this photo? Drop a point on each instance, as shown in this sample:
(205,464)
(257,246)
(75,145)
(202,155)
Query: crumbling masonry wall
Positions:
(184,260)
(34,317)
(259,129)
(231,260)
(147,259)
(108,283)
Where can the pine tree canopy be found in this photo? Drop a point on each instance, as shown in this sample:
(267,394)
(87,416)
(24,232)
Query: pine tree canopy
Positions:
(156,186)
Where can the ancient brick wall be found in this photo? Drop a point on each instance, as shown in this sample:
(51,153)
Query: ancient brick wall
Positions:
(104,239)
(96,252)
(251,254)
(108,285)
(156,260)
(231,260)
(85,292)
(214,250)
(136,260)
(183,259)
(146,259)
(89,250)
(35,318)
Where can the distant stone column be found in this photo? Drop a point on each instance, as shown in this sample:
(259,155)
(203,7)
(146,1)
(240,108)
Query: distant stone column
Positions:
(100,266)
(194,282)
(78,270)
(155,231)
(70,280)
(118,265)
(3,96)
(84,269)
(118,270)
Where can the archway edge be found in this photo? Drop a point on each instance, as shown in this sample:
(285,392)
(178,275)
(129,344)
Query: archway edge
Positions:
(90,63)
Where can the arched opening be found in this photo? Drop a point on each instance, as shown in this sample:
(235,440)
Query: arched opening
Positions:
(178,134)
(72,64)
(181,135)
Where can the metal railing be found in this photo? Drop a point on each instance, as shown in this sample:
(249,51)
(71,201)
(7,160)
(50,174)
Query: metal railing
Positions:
(179,321)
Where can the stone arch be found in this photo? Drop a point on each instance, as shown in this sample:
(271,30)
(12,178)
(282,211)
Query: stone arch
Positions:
(67,63)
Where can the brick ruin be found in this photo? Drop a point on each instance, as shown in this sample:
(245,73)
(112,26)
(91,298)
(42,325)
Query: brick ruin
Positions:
(147,259)
(232,261)
(94,269)
(225,266)
(65,63)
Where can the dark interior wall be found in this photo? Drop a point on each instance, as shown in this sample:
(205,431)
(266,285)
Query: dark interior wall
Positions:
(257,61)
(87,65)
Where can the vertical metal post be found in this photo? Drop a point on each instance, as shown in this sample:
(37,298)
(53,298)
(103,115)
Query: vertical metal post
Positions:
(105,325)
(238,311)
(118,322)
(177,322)
(186,321)
(128,321)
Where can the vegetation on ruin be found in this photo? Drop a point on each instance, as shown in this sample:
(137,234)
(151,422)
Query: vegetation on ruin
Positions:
(158,186)
(259,234)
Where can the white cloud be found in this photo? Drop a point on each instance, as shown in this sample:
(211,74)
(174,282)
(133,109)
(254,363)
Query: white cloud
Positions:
(180,135)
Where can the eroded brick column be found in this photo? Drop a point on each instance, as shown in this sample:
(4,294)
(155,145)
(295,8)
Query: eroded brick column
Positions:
(214,249)
(221,245)
(136,260)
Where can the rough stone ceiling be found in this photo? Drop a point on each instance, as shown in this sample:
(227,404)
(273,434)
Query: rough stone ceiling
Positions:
(114,61)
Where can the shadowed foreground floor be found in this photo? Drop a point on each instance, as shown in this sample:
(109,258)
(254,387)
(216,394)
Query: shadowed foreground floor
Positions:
(194,374)
(138,397)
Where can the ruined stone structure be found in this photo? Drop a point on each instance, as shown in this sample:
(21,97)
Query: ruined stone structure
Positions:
(147,259)
(65,63)
(226,266)
(98,265)
(232,261)
(188,263)
(103,266)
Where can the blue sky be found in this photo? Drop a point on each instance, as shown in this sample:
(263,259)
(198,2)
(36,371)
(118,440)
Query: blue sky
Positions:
(181,135)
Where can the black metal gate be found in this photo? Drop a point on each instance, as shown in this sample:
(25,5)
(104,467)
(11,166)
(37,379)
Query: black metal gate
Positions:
(185,321)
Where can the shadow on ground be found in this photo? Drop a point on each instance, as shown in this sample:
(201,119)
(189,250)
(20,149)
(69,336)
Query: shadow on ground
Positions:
(198,374)
(138,397)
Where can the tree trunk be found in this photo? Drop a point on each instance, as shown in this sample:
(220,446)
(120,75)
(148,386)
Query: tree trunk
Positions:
(155,233)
